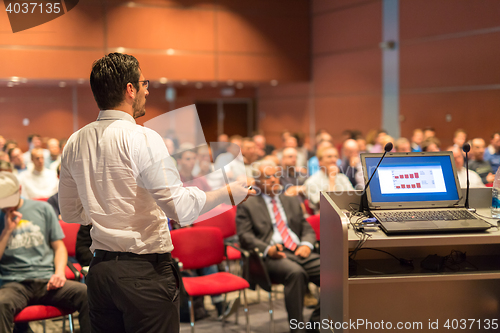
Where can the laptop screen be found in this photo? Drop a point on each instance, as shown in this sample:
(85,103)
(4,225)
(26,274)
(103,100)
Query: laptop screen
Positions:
(405,180)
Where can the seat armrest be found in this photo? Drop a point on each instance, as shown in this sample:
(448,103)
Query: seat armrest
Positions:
(74,270)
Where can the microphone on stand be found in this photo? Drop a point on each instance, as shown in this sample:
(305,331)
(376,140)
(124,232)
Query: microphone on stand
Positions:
(466,149)
(363,205)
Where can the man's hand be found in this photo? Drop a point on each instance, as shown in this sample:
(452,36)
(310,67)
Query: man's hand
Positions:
(56,281)
(12,218)
(239,190)
(303,251)
(490,178)
(276,252)
(354,161)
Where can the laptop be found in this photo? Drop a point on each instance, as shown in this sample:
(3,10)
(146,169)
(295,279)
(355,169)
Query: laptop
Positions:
(417,193)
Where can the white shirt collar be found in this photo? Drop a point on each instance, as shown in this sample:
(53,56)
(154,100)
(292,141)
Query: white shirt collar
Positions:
(115,115)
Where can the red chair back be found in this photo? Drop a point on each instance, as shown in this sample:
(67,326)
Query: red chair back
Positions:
(198,247)
(489,185)
(225,220)
(41,199)
(70,232)
(314,222)
(308,208)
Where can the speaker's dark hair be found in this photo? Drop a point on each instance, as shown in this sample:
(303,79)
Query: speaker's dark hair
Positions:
(110,76)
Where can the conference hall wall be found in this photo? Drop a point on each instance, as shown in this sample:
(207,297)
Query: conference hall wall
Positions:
(190,43)
(449,73)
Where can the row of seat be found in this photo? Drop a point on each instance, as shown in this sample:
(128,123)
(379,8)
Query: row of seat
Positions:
(207,237)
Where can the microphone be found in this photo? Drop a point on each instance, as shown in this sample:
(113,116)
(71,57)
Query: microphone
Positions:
(466,149)
(363,205)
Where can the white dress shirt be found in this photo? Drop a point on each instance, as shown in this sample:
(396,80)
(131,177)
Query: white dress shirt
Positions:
(320,182)
(120,177)
(474,178)
(38,184)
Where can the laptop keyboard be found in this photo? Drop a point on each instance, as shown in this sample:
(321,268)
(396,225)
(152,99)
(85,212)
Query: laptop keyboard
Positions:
(425,215)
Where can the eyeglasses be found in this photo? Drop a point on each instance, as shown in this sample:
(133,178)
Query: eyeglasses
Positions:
(146,83)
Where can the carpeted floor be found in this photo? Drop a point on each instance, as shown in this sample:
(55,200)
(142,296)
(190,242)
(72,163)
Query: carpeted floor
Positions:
(258,314)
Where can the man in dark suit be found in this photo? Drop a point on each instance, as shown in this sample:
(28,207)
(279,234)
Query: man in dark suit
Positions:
(274,223)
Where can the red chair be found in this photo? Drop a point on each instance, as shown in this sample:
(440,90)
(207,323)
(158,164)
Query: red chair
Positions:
(43,312)
(202,247)
(224,218)
(73,270)
(489,185)
(309,210)
(314,222)
(41,199)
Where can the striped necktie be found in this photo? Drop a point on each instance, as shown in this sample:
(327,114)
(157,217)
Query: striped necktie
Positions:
(283,229)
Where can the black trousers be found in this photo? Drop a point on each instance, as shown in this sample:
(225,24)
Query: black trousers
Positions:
(15,296)
(133,293)
(295,273)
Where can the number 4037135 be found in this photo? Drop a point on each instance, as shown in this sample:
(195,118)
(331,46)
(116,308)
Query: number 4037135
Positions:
(33,8)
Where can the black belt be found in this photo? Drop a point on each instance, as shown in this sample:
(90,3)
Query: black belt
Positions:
(154,257)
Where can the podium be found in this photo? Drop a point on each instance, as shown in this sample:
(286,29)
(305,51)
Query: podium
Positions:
(380,294)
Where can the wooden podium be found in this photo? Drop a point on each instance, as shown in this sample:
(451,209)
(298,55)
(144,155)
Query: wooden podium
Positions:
(381,292)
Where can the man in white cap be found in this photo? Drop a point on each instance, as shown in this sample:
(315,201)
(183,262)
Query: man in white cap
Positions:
(33,258)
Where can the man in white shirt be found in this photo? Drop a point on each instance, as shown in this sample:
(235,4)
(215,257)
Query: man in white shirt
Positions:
(474,179)
(119,177)
(39,182)
(55,154)
(35,141)
(328,178)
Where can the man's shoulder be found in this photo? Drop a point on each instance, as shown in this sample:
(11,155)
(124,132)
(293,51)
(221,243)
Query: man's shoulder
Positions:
(41,207)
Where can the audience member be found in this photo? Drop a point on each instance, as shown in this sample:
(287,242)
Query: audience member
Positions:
(292,142)
(273,158)
(39,182)
(17,159)
(351,163)
(291,179)
(361,143)
(275,225)
(328,178)
(6,166)
(431,144)
(221,146)
(402,145)
(9,144)
(4,156)
(491,147)
(493,155)
(55,154)
(459,138)
(477,162)
(249,153)
(225,160)
(429,132)
(35,141)
(263,148)
(474,179)
(313,163)
(33,259)
(185,162)
(378,145)
(416,140)
(385,140)
(2,143)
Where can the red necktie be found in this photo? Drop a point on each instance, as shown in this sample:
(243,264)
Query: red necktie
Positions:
(283,229)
